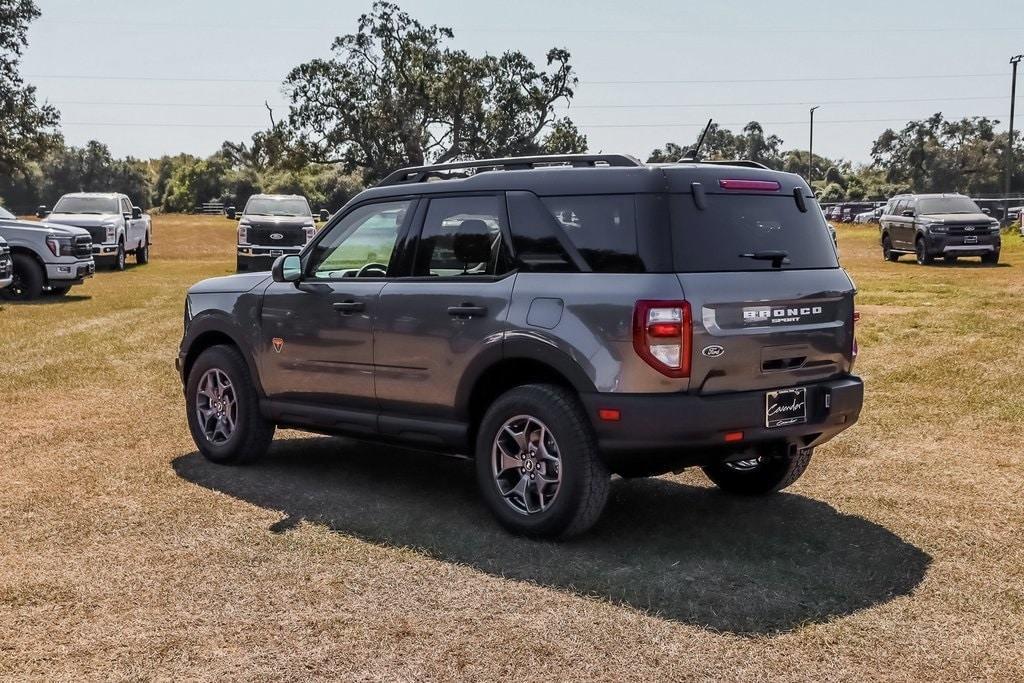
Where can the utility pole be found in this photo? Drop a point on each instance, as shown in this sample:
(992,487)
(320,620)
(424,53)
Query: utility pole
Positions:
(810,149)
(1014,61)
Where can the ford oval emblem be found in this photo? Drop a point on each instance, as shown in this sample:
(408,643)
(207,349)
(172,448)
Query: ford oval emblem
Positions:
(713,351)
(276,236)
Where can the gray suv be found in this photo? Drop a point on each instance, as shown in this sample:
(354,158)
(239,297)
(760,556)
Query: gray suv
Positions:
(558,319)
(938,225)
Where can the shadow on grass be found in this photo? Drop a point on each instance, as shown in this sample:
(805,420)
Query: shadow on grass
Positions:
(46,300)
(684,553)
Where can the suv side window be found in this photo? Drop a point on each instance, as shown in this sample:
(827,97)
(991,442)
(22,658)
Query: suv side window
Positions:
(125,206)
(463,236)
(603,229)
(360,244)
(910,206)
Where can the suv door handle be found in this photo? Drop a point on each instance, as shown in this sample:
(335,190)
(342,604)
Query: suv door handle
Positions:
(466,310)
(346,307)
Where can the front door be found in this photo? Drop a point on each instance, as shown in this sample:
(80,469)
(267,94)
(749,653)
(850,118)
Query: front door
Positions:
(317,336)
(430,326)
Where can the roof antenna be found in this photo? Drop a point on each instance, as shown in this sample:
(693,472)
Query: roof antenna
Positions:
(694,154)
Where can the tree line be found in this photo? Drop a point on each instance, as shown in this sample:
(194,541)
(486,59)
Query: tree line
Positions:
(397,93)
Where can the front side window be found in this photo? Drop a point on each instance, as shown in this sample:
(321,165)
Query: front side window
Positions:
(462,236)
(361,244)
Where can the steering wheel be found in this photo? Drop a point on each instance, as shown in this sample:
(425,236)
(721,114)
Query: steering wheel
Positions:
(373,266)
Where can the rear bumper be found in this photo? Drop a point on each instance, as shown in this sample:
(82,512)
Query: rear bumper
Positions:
(676,423)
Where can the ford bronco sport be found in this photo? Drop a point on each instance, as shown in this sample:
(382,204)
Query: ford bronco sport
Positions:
(931,225)
(559,319)
(272,225)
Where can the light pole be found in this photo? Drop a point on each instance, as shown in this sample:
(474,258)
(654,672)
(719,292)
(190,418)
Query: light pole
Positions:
(810,149)
(1014,61)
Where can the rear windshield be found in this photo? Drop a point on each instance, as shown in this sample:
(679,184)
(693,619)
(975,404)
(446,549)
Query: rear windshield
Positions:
(946,205)
(714,239)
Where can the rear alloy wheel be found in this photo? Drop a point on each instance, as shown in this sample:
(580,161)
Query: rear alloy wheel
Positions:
(887,253)
(223,408)
(142,253)
(768,471)
(537,464)
(921,252)
(26,279)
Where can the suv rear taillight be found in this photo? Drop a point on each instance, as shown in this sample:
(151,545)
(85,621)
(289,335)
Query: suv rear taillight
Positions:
(663,335)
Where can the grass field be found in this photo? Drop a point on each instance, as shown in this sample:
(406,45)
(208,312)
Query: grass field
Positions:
(124,555)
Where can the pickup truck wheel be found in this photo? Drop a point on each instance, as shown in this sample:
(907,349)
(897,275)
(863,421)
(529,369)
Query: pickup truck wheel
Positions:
(991,259)
(537,463)
(26,280)
(767,472)
(223,408)
(949,260)
(119,258)
(142,253)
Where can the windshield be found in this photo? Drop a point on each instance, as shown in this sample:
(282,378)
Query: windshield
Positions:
(95,205)
(946,205)
(278,207)
(4,213)
(738,232)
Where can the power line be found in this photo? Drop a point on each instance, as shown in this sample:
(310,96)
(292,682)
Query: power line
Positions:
(711,81)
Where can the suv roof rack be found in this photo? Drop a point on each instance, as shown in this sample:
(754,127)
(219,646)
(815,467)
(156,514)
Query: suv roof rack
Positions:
(746,163)
(418,174)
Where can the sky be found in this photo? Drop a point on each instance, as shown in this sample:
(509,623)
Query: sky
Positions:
(151,78)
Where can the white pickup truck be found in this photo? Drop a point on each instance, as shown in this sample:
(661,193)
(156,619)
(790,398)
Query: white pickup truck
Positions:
(117,226)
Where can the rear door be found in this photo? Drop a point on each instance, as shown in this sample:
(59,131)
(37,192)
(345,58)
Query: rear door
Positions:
(761,322)
(429,327)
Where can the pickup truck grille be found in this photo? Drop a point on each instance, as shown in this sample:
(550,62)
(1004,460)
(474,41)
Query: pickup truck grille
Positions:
(98,234)
(82,246)
(290,237)
(968,229)
(5,262)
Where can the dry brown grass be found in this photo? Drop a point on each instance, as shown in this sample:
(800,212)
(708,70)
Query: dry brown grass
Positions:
(899,555)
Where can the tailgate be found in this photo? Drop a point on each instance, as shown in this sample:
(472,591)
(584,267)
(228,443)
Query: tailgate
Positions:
(768,329)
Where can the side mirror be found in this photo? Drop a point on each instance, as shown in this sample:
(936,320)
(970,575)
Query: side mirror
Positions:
(42,212)
(287,268)
(987,212)
(136,213)
(230,213)
(324,215)
(907,213)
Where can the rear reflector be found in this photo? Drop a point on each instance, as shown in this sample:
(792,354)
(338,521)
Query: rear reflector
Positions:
(733,437)
(609,414)
(755,185)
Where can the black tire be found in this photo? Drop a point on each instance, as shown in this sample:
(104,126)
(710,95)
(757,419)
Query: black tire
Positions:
(887,253)
(58,290)
(251,436)
(142,253)
(28,279)
(921,253)
(583,478)
(777,468)
(949,260)
(120,259)
(991,259)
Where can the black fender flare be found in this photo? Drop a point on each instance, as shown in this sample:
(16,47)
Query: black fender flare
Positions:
(220,324)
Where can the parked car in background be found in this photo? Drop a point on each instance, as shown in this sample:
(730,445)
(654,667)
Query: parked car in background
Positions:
(559,324)
(272,225)
(949,226)
(6,266)
(45,258)
(871,216)
(117,227)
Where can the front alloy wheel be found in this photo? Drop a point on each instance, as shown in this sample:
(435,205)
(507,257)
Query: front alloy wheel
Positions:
(527,464)
(216,406)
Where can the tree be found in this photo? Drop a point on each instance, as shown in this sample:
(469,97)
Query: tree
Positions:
(394,94)
(722,143)
(27,129)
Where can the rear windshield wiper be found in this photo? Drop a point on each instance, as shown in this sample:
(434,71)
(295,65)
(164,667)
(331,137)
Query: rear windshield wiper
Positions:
(778,257)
